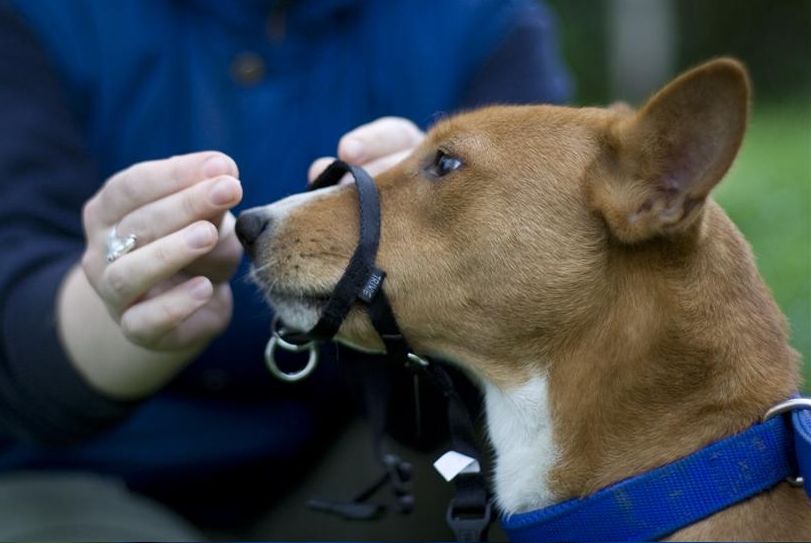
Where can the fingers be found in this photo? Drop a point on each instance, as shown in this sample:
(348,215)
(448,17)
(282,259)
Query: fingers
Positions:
(187,314)
(317,168)
(208,199)
(382,164)
(384,136)
(122,282)
(221,262)
(178,210)
(161,216)
(373,168)
(376,146)
(146,323)
(147,182)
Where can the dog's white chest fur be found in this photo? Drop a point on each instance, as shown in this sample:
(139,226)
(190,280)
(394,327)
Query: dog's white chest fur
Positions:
(520,427)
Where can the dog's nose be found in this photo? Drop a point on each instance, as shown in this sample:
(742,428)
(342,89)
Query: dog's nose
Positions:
(249,228)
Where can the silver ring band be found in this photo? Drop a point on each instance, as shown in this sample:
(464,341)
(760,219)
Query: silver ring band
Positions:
(118,247)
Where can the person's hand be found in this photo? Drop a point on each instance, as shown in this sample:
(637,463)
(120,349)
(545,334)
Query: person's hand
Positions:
(128,326)
(376,146)
(171,292)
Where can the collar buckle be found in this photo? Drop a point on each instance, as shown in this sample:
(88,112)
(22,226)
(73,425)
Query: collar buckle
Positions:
(794,404)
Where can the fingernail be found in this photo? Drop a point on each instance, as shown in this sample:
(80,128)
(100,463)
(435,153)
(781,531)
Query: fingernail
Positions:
(223,192)
(201,289)
(216,165)
(200,236)
(352,150)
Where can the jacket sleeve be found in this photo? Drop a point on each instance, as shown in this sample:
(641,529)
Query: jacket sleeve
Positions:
(45,177)
(526,67)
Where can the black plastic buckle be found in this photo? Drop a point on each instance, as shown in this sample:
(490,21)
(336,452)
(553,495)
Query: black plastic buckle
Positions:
(469,524)
(399,475)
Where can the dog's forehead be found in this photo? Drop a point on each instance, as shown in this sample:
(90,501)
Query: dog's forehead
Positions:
(511,123)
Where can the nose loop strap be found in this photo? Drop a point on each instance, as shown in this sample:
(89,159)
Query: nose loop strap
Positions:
(361,280)
(469,512)
(360,272)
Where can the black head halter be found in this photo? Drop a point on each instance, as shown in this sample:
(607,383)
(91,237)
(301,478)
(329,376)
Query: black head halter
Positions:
(469,512)
(361,281)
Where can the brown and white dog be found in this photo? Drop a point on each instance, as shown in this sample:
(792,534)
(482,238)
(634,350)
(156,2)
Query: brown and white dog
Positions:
(574,262)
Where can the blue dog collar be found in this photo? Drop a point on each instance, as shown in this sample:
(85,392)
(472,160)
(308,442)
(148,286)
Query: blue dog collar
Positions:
(655,504)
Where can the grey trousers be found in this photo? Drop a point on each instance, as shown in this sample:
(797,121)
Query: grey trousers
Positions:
(45,506)
(88,507)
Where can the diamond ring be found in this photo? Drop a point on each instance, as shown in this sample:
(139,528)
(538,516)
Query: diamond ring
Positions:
(118,247)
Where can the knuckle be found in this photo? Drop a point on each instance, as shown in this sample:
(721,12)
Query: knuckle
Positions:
(86,262)
(163,255)
(126,182)
(134,223)
(174,166)
(88,266)
(133,329)
(117,286)
(90,210)
(171,314)
(146,326)
(189,205)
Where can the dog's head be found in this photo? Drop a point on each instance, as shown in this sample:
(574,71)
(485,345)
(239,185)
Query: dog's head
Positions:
(511,230)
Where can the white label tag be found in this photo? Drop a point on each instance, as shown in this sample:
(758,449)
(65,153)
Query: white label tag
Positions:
(452,463)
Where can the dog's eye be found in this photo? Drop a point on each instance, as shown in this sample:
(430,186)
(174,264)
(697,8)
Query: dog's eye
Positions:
(443,164)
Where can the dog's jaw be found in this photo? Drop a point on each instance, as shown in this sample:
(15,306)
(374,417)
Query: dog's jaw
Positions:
(295,312)
(520,427)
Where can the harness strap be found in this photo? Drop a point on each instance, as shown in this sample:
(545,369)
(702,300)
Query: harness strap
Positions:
(361,266)
(382,316)
(655,504)
(469,513)
(396,473)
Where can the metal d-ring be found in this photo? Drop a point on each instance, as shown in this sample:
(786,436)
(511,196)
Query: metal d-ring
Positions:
(417,360)
(785,407)
(276,341)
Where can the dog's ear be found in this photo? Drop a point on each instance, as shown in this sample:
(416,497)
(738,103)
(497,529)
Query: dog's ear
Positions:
(665,159)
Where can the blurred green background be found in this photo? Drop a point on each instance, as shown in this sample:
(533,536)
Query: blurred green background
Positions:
(625,49)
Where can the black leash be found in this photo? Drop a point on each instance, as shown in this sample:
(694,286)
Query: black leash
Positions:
(469,512)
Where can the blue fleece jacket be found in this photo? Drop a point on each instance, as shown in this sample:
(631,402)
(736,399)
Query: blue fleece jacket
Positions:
(89,87)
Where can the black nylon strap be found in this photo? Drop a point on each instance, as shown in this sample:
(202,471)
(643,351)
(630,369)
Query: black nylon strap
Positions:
(469,512)
(385,324)
(361,265)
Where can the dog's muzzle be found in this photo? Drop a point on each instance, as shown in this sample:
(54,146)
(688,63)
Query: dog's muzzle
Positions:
(361,282)
(469,511)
